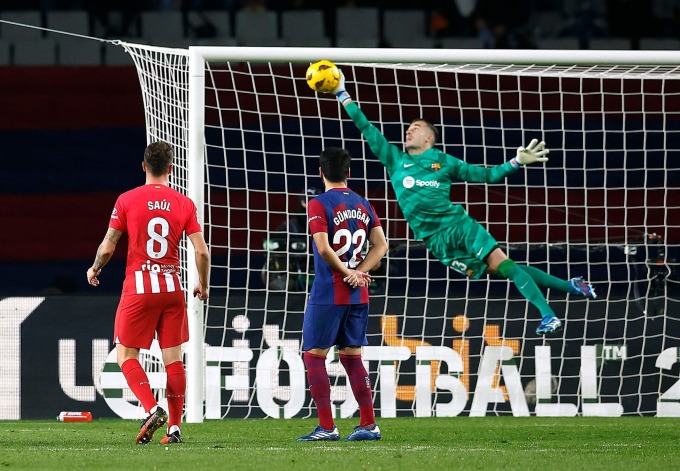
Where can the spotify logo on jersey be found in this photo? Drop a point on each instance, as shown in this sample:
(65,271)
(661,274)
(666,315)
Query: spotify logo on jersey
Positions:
(410,182)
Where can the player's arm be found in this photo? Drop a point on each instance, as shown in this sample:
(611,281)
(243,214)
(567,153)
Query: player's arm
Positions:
(377,250)
(104,254)
(202,264)
(534,152)
(329,256)
(387,153)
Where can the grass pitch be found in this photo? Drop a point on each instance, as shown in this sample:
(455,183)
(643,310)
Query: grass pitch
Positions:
(461,443)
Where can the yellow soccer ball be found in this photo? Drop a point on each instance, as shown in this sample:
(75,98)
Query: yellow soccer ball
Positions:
(323,76)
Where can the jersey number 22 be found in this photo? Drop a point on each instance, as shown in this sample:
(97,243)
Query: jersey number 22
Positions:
(344,238)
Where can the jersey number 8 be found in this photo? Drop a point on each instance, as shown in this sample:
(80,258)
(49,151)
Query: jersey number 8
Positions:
(157,238)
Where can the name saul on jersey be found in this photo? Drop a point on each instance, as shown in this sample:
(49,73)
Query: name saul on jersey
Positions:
(162,205)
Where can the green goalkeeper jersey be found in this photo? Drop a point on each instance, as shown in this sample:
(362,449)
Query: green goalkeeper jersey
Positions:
(422,182)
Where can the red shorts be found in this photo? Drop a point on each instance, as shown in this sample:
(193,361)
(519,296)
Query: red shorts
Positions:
(140,316)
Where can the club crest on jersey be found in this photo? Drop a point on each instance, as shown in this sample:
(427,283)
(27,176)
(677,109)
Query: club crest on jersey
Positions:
(436,166)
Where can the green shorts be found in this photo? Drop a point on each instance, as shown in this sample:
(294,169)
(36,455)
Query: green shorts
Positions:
(463,246)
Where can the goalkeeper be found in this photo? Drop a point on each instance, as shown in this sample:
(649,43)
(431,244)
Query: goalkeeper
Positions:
(421,177)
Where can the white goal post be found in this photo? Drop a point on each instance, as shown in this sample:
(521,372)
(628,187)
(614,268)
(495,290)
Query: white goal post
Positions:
(247,131)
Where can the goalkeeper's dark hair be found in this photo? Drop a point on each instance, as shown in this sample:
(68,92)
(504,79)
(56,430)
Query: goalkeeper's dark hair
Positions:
(334,163)
(433,129)
(158,157)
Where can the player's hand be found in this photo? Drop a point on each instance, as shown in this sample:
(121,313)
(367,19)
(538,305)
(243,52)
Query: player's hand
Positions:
(92,275)
(358,279)
(340,87)
(534,152)
(201,292)
(354,280)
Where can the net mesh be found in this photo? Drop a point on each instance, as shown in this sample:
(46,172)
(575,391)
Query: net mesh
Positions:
(606,206)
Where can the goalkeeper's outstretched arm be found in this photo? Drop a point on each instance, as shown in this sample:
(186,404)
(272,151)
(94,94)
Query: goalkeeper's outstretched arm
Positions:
(388,154)
(534,152)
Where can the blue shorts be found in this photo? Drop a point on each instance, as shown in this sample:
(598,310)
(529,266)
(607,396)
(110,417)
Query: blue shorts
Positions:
(326,325)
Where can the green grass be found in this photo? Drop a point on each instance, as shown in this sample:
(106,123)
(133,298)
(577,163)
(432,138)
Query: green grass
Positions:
(460,443)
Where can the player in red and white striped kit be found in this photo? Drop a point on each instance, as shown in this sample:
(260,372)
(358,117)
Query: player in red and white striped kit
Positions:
(155,217)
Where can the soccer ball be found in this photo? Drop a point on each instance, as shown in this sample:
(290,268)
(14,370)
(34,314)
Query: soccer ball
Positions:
(323,76)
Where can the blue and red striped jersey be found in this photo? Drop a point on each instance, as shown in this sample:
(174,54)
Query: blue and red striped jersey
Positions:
(348,219)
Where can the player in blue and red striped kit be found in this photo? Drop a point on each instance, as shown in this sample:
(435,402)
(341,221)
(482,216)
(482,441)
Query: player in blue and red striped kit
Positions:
(342,223)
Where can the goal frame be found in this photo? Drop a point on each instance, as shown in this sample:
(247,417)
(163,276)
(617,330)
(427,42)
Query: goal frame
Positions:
(200,55)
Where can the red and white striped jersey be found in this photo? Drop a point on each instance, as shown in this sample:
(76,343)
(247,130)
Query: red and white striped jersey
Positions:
(155,218)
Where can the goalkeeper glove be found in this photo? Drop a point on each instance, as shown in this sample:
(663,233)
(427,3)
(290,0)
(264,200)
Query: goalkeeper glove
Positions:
(339,90)
(534,152)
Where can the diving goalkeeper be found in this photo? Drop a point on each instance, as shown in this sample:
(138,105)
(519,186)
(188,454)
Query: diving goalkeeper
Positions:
(421,177)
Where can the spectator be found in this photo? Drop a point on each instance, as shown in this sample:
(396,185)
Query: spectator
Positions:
(499,23)
(254,5)
(586,25)
(453,18)
(129,9)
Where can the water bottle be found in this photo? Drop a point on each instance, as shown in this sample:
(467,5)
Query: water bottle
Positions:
(65,416)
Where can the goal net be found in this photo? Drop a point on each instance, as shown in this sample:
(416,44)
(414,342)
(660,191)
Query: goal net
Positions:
(248,132)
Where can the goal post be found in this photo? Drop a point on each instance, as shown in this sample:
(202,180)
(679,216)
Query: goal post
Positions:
(195,363)
(247,131)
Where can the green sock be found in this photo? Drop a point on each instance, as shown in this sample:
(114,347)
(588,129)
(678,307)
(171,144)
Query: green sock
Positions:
(544,280)
(525,284)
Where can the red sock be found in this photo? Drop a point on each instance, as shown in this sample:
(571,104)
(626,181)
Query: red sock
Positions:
(361,387)
(139,383)
(320,388)
(175,389)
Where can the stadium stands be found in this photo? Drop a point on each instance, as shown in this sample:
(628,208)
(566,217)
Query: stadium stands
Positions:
(570,24)
(357,27)
(304,28)
(406,28)
(257,28)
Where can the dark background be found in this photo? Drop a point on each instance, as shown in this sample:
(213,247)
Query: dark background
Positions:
(72,139)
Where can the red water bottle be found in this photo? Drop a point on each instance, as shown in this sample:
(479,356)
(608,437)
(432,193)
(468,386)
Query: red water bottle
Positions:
(74,416)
